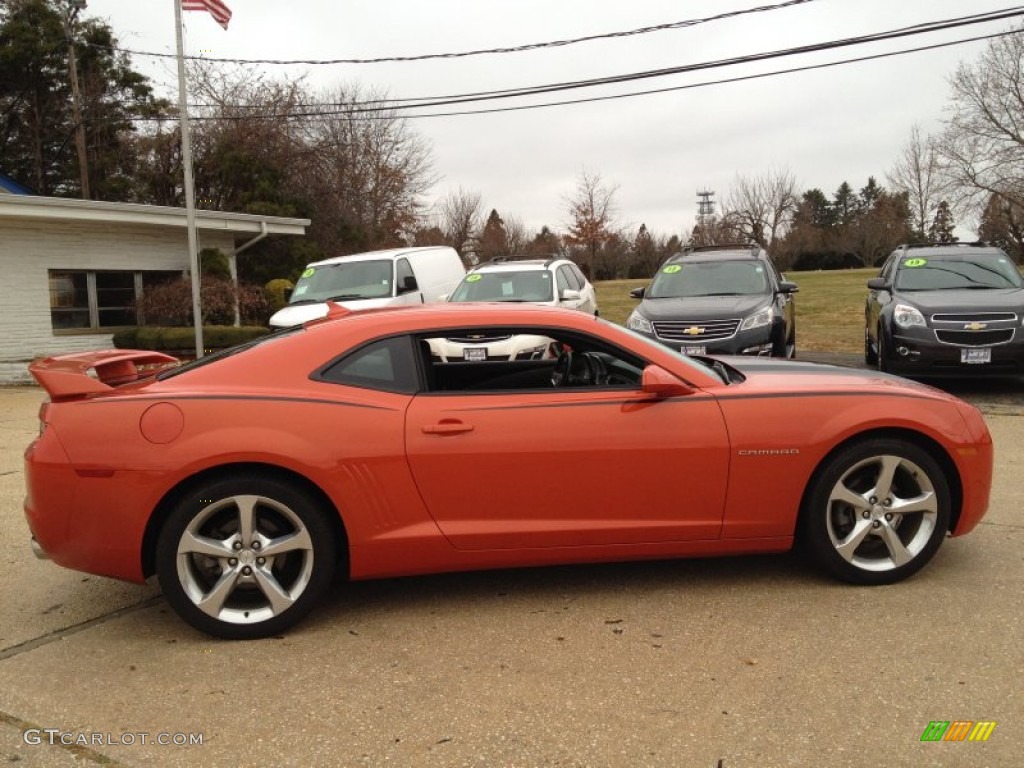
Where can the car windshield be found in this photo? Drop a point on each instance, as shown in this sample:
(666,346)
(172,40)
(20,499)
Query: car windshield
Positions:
(344,280)
(925,273)
(505,285)
(709,278)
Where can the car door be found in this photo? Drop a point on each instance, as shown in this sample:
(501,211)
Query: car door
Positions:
(592,466)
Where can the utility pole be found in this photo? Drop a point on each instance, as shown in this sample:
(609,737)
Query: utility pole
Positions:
(74,7)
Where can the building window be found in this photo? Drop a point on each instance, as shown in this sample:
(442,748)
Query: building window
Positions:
(81,300)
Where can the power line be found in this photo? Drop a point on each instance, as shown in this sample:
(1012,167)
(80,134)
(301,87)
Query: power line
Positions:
(591,99)
(422,102)
(479,52)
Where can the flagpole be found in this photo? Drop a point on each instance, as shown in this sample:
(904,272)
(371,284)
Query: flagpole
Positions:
(190,195)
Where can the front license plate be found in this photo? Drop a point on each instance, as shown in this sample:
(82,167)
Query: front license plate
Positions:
(474,353)
(976,355)
(694,350)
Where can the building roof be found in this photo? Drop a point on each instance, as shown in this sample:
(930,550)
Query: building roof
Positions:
(23,206)
(9,185)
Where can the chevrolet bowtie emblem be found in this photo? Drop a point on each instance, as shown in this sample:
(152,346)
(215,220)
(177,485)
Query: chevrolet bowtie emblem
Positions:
(975,326)
(694,330)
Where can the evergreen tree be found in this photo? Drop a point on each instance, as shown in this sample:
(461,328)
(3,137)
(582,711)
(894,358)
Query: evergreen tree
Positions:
(493,238)
(36,123)
(941,229)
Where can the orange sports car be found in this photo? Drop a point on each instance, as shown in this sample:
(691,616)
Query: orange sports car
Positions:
(246,480)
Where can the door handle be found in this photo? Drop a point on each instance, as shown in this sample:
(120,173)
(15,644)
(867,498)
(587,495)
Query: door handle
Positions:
(447,428)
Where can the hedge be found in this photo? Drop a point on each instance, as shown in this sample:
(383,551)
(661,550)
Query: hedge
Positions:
(164,338)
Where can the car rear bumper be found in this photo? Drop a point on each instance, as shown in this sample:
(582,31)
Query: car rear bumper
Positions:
(83,521)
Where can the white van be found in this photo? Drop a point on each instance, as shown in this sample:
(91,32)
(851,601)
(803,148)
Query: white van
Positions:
(370,280)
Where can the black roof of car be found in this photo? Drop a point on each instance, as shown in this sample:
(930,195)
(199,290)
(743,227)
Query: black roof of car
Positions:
(947,249)
(724,251)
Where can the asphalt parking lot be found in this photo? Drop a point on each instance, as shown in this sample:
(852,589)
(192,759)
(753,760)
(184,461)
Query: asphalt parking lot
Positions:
(725,662)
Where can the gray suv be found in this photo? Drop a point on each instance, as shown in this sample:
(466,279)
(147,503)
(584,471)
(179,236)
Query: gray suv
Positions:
(727,300)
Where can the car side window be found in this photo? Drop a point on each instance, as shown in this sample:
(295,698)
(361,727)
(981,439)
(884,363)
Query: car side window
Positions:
(388,365)
(403,270)
(888,268)
(580,278)
(562,280)
(525,359)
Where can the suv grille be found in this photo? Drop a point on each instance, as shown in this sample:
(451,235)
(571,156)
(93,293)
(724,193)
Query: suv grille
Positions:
(481,339)
(696,330)
(981,317)
(975,338)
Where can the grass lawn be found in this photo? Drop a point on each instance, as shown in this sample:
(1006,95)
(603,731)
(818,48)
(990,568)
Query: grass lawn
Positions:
(829,307)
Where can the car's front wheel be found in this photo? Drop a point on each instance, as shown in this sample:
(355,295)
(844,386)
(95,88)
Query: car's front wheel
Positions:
(877,512)
(246,556)
(870,355)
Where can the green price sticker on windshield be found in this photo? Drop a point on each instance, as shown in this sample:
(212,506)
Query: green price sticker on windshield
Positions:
(309,272)
(915,262)
(472,278)
(671,269)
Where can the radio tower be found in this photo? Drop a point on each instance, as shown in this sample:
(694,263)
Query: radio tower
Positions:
(705,205)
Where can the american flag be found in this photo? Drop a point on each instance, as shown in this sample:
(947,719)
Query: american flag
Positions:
(220,12)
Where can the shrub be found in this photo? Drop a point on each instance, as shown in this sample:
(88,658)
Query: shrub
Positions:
(169,339)
(276,293)
(170,303)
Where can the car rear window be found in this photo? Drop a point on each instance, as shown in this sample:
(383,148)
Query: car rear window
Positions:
(238,349)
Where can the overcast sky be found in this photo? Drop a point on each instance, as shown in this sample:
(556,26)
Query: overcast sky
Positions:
(825,126)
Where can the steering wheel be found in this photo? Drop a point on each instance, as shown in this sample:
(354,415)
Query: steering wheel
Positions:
(583,370)
(560,373)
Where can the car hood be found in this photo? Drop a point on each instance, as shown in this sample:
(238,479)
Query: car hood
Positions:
(296,314)
(991,300)
(792,376)
(702,307)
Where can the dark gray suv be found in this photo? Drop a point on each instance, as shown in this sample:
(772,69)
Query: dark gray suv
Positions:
(727,300)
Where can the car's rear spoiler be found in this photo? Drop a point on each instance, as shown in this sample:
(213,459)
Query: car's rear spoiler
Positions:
(69,375)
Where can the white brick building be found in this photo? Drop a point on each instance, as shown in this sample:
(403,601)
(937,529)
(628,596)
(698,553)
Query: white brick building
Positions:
(70,268)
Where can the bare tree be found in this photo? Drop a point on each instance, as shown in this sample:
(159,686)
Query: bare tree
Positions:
(760,208)
(461,217)
(982,147)
(591,210)
(917,172)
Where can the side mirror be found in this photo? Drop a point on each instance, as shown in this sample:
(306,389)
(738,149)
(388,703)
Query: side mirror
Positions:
(570,295)
(443,297)
(408,285)
(656,381)
(785,286)
(638,293)
(876,284)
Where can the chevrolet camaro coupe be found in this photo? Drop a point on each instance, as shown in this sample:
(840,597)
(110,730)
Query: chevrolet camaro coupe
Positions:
(247,480)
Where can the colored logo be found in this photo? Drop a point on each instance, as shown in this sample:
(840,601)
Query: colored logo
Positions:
(472,278)
(915,262)
(693,330)
(671,269)
(309,272)
(975,326)
(958,730)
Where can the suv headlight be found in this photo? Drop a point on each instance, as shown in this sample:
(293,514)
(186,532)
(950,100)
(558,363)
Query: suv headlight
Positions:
(637,322)
(907,316)
(758,319)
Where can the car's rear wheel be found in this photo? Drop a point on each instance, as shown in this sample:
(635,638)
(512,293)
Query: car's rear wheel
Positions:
(245,557)
(877,513)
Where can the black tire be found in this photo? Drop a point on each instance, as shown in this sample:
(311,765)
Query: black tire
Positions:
(269,582)
(870,543)
(870,355)
(883,352)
